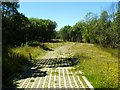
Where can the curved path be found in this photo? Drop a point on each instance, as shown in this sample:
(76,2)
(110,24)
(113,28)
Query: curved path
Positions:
(54,70)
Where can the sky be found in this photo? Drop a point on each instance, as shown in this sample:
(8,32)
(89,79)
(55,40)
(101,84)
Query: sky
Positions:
(64,13)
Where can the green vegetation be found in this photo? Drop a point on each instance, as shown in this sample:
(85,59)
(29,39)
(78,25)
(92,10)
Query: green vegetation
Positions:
(100,65)
(27,50)
(96,40)
(103,29)
(55,73)
(54,45)
(32,80)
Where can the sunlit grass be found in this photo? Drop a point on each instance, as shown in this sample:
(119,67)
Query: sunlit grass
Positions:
(55,73)
(34,51)
(100,65)
(26,50)
(54,45)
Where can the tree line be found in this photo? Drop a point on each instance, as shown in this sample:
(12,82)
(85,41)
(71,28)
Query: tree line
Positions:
(103,29)
(17,28)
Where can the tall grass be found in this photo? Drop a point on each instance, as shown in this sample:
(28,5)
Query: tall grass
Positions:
(100,65)
(26,50)
(12,63)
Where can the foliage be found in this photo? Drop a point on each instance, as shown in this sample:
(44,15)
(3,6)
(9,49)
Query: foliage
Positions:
(15,24)
(64,32)
(17,28)
(42,30)
(103,29)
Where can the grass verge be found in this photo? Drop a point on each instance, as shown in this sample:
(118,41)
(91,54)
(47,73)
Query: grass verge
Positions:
(100,65)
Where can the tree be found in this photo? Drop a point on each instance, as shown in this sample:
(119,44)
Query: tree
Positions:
(15,24)
(77,31)
(64,33)
(42,29)
(9,8)
(89,32)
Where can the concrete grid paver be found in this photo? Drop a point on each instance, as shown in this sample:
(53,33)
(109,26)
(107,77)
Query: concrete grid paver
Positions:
(59,73)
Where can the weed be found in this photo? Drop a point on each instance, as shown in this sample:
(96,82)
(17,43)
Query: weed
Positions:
(32,80)
(55,73)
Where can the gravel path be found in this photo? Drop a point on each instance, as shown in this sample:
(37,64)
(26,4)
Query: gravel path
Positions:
(63,51)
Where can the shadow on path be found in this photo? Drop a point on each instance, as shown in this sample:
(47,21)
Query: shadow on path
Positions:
(55,62)
(36,69)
